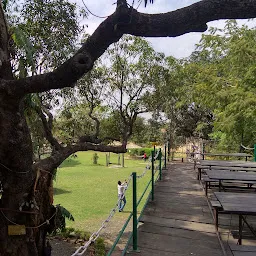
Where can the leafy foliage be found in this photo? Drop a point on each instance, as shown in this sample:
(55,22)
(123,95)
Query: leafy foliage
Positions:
(72,123)
(35,52)
(211,94)
(231,54)
(60,220)
(217,83)
(115,91)
(4,2)
(140,151)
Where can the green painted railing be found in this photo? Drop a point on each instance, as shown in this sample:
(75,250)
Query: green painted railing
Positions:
(165,158)
(133,215)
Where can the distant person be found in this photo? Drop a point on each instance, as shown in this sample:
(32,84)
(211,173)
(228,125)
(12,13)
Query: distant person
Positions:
(188,153)
(145,157)
(121,197)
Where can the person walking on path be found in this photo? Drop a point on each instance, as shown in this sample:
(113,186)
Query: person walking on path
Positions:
(121,197)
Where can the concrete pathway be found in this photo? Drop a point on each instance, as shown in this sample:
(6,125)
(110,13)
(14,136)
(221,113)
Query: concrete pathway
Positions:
(178,222)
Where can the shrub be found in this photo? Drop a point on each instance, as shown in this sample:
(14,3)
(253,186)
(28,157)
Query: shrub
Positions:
(100,249)
(140,151)
(95,158)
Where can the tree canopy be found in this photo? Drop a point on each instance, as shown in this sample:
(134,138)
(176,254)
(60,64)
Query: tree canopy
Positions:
(211,93)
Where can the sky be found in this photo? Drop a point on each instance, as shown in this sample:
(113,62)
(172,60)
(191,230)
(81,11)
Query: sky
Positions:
(179,47)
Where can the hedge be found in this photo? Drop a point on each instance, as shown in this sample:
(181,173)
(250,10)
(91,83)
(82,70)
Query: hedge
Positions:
(140,151)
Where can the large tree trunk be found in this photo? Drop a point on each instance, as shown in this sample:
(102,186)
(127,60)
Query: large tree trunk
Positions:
(21,184)
(17,176)
(26,184)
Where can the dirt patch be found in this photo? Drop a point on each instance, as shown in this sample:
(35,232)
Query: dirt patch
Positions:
(66,247)
(62,248)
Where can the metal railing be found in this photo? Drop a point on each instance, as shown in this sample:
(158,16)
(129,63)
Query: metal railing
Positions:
(253,149)
(133,215)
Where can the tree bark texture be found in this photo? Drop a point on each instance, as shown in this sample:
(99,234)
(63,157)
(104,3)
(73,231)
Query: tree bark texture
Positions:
(27,182)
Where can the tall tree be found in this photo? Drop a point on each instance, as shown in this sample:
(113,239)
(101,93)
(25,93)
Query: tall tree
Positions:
(225,59)
(24,181)
(120,81)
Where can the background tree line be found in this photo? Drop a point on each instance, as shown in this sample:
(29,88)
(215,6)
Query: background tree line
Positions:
(209,95)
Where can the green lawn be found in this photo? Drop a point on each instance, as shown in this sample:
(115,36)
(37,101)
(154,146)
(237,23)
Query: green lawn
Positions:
(89,191)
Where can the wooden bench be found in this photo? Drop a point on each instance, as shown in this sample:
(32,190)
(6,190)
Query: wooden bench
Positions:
(243,250)
(230,168)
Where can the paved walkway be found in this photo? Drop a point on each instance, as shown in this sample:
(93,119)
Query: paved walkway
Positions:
(178,222)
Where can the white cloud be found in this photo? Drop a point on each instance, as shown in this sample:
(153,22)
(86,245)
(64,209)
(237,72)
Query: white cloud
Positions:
(179,47)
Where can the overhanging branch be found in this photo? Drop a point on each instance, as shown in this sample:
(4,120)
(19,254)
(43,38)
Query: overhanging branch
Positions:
(58,157)
(189,19)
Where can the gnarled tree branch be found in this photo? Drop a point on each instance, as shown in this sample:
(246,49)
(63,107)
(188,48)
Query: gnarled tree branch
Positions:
(189,19)
(193,18)
(69,72)
(94,118)
(47,125)
(58,157)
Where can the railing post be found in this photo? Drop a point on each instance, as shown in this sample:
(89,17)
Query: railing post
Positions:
(134,196)
(203,151)
(165,156)
(160,164)
(168,150)
(254,152)
(152,179)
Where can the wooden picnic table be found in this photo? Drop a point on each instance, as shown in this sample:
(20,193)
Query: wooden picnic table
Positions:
(236,203)
(228,163)
(220,176)
(227,155)
(242,250)
(225,165)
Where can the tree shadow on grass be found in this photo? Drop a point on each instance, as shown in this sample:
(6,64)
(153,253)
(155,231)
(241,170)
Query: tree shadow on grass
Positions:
(70,163)
(59,191)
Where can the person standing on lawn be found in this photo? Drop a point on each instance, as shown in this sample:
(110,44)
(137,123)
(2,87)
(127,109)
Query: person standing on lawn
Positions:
(145,156)
(121,197)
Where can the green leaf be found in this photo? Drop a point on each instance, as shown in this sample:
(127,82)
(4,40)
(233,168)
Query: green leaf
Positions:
(5,2)
(22,41)
(65,213)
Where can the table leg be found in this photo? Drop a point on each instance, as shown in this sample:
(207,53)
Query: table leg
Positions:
(199,174)
(240,229)
(216,217)
(194,164)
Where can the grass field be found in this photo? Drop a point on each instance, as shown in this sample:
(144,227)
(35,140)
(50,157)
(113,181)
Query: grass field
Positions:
(89,191)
